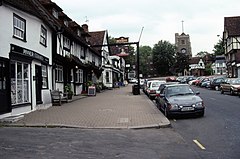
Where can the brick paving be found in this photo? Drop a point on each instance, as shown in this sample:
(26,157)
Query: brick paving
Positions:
(117,109)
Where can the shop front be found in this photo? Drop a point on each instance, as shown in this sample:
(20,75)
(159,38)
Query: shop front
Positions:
(29,79)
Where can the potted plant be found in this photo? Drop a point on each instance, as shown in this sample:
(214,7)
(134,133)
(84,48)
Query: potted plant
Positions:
(68,90)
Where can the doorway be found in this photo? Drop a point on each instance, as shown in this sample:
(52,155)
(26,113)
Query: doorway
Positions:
(38,82)
(5,99)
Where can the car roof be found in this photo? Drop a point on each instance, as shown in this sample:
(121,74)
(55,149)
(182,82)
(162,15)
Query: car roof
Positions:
(171,85)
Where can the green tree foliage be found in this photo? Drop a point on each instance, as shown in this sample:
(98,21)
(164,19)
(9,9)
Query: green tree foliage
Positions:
(163,57)
(144,59)
(181,63)
(202,54)
(218,48)
(208,69)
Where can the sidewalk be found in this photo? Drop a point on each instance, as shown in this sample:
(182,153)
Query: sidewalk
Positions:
(116,109)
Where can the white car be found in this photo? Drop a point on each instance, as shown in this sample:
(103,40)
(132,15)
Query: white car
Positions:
(152,86)
(133,80)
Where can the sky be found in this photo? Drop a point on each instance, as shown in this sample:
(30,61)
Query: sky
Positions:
(156,19)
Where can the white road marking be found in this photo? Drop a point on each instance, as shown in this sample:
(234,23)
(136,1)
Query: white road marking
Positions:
(199,144)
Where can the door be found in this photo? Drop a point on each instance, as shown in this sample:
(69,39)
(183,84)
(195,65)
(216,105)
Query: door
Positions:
(38,82)
(5,99)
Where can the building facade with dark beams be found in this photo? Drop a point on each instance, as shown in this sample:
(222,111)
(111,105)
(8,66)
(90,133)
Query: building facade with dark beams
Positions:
(231,38)
(74,61)
(25,57)
(41,49)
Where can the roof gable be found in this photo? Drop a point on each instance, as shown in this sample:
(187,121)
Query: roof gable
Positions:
(232,25)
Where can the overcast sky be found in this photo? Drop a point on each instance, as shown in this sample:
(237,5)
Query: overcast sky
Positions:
(161,19)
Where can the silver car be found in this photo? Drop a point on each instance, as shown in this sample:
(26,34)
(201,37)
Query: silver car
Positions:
(180,99)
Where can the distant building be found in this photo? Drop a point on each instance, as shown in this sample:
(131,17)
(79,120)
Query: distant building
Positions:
(219,66)
(231,38)
(183,44)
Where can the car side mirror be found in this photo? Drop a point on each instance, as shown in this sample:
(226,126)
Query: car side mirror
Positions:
(197,92)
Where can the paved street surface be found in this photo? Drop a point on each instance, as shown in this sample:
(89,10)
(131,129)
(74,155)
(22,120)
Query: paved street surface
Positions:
(117,108)
(62,143)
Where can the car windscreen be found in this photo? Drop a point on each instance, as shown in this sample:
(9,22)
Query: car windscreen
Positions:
(236,81)
(179,90)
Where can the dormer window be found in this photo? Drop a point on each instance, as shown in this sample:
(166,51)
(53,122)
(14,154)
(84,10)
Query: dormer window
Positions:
(66,23)
(55,13)
(79,33)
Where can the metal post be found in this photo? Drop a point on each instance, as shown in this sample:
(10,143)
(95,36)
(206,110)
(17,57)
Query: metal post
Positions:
(138,68)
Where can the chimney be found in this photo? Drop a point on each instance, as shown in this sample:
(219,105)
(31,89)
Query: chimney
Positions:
(85,27)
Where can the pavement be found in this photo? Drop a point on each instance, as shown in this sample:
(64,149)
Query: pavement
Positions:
(111,109)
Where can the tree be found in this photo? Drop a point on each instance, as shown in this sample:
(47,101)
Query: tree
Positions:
(181,63)
(202,54)
(219,48)
(163,57)
(144,59)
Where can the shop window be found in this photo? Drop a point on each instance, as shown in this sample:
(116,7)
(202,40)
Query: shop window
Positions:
(20,82)
(44,76)
(43,36)
(79,76)
(59,73)
(19,27)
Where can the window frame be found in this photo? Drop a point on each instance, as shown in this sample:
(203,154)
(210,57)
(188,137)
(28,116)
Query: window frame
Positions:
(43,36)
(66,43)
(79,76)
(19,29)
(59,73)
(44,77)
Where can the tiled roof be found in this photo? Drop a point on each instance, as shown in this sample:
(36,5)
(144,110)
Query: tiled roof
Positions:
(232,25)
(194,60)
(96,38)
(24,5)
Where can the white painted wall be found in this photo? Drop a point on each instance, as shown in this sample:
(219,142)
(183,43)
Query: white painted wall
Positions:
(33,28)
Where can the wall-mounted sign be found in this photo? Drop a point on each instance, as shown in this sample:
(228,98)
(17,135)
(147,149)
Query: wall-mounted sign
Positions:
(29,53)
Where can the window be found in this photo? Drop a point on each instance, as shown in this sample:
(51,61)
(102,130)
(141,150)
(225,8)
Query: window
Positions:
(20,82)
(43,36)
(66,43)
(44,77)
(66,23)
(59,73)
(107,77)
(182,42)
(55,13)
(79,76)
(19,27)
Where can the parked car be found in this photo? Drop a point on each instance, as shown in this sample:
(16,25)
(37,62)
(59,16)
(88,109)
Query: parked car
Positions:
(215,83)
(230,85)
(162,86)
(133,80)
(179,99)
(152,87)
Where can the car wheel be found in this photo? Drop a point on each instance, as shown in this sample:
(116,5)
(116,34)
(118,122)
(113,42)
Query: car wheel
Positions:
(231,92)
(222,92)
(216,88)
(201,114)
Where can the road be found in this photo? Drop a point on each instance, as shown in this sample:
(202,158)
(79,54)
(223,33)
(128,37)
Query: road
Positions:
(218,131)
(214,136)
